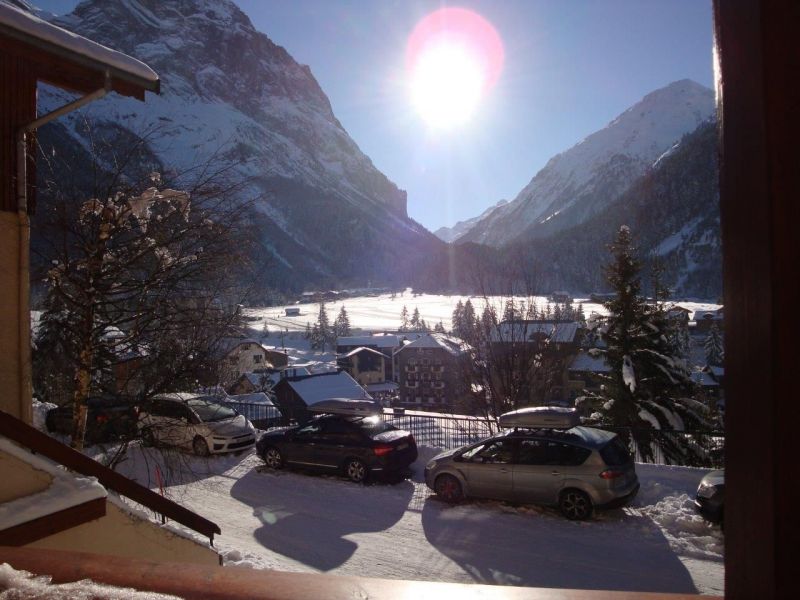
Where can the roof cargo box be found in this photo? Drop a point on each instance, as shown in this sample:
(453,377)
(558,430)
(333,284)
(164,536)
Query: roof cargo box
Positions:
(346,406)
(553,417)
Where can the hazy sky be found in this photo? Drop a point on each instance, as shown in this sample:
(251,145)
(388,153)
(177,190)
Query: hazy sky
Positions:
(570,67)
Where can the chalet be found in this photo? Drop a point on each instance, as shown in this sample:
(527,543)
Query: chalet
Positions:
(259,381)
(385,344)
(293,395)
(246,355)
(703,320)
(560,298)
(292,311)
(431,373)
(365,365)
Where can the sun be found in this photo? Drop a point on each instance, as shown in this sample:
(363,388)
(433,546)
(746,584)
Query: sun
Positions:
(454,57)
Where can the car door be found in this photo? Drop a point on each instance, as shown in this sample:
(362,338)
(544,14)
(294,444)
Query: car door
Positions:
(541,468)
(488,470)
(302,448)
(537,476)
(337,440)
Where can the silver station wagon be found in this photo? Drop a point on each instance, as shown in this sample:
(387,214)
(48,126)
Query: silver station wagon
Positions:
(577,469)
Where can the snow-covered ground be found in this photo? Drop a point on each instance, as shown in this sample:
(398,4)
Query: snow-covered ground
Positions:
(310,523)
(382,312)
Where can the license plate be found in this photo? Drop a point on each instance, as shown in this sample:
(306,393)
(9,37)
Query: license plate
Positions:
(402,446)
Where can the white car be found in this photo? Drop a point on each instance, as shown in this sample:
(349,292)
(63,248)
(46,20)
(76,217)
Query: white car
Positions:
(195,422)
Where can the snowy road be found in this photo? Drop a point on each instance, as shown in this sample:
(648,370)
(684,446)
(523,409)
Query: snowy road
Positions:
(299,522)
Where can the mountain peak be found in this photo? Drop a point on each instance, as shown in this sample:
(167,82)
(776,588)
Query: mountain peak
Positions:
(577,183)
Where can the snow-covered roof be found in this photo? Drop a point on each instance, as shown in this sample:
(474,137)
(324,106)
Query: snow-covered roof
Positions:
(315,388)
(363,349)
(386,386)
(585,362)
(26,27)
(453,345)
(518,331)
(254,398)
(65,491)
(379,341)
(704,379)
(702,315)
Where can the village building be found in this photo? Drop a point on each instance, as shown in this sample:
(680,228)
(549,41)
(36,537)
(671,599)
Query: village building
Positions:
(385,344)
(293,395)
(431,373)
(703,320)
(246,355)
(365,365)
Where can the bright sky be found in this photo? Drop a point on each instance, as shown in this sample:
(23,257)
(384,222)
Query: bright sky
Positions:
(568,68)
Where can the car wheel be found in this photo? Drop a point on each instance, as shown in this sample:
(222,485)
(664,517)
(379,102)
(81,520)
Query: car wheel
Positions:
(273,458)
(575,505)
(355,470)
(448,488)
(200,447)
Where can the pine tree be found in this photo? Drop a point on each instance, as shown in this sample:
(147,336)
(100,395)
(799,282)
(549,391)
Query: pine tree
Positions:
(415,320)
(439,327)
(265,330)
(648,386)
(307,334)
(341,326)
(713,347)
(324,331)
(468,325)
(404,319)
(458,319)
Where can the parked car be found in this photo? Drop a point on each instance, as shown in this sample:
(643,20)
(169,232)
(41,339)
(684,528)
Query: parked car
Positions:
(194,422)
(356,446)
(710,497)
(108,419)
(577,469)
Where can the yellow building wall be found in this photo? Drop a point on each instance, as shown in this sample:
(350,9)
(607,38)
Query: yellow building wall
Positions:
(20,479)
(14,339)
(121,534)
(118,533)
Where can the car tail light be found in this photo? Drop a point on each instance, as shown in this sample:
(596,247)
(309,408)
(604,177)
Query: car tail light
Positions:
(101,418)
(611,474)
(382,450)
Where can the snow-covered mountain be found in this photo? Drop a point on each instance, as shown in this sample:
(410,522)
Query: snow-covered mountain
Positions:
(581,182)
(673,211)
(324,212)
(452,234)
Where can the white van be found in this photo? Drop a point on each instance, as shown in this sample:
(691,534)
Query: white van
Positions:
(194,422)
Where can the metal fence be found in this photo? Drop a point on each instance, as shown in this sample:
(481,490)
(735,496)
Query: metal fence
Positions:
(685,448)
(261,415)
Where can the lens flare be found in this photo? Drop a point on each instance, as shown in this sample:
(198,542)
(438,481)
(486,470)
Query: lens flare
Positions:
(453,58)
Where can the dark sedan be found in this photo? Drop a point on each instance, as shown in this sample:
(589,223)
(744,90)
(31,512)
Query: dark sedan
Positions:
(107,419)
(354,446)
(710,498)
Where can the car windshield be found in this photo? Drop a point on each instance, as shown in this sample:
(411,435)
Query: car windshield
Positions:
(210,411)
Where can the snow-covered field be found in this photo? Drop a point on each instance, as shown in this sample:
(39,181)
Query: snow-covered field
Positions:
(382,312)
(310,523)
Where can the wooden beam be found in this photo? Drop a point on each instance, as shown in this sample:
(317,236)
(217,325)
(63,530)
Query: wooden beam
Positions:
(218,583)
(27,533)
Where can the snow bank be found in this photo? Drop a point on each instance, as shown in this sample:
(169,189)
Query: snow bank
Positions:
(21,585)
(40,410)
